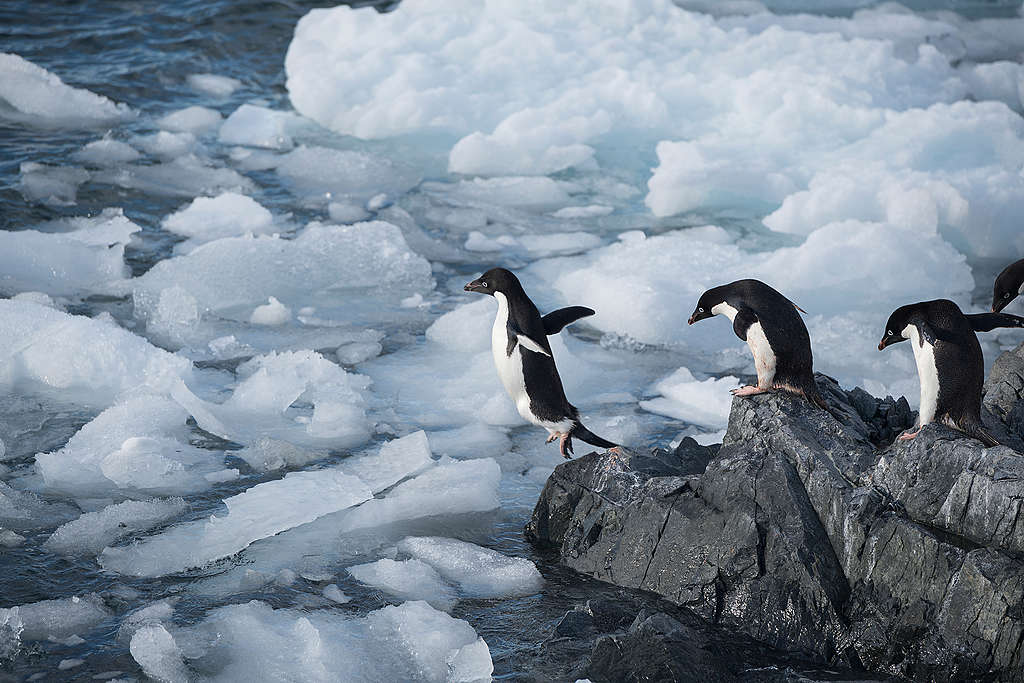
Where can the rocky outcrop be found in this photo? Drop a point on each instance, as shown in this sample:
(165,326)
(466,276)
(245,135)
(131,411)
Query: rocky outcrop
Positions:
(802,533)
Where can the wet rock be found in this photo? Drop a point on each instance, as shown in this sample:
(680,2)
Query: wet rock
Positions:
(801,533)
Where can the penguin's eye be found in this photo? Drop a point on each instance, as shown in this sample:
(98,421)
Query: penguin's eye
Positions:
(483,284)
(700,310)
(1006,296)
(890,333)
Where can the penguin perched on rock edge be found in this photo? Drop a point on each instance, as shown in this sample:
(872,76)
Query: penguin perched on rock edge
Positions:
(524,362)
(774,331)
(950,365)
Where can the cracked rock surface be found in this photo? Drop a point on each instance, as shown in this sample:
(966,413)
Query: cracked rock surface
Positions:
(814,533)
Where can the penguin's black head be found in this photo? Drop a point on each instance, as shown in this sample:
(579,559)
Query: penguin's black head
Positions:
(897,322)
(705,303)
(495,280)
(1007,285)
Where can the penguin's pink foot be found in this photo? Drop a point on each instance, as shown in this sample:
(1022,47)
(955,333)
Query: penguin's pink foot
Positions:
(565,446)
(748,391)
(907,436)
(553,436)
(617,450)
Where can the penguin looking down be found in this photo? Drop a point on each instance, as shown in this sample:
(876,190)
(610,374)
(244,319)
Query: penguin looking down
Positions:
(950,365)
(523,358)
(774,331)
(1009,284)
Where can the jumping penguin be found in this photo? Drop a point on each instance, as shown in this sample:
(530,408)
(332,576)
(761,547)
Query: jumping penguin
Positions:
(950,365)
(774,331)
(1008,285)
(523,358)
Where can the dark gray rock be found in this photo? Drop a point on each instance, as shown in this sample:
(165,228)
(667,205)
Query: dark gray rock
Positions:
(1005,388)
(800,533)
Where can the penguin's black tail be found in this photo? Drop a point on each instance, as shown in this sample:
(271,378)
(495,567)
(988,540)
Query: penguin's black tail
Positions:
(977,431)
(587,436)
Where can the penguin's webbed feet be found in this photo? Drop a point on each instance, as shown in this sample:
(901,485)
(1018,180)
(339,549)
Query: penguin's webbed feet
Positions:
(749,390)
(565,446)
(907,436)
(552,437)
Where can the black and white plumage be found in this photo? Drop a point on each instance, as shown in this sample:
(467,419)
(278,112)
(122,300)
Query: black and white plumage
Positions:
(524,361)
(773,329)
(1009,284)
(950,365)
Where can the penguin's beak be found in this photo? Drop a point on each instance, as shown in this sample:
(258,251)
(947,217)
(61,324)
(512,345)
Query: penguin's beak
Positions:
(473,286)
(886,341)
(696,317)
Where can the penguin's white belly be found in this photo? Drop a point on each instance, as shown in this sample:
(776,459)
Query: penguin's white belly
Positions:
(764,356)
(926,373)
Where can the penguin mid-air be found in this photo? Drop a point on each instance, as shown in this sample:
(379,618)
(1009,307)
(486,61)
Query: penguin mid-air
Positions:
(774,331)
(523,358)
(1009,284)
(950,365)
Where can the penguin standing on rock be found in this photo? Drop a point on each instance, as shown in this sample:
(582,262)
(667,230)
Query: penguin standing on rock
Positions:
(950,365)
(523,358)
(774,331)
(1009,284)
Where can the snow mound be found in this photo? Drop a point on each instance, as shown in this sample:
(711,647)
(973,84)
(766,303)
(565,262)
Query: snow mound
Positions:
(86,361)
(84,257)
(412,641)
(35,96)
(94,531)
(479,572)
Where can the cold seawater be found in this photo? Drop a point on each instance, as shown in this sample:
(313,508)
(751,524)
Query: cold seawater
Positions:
(236,241)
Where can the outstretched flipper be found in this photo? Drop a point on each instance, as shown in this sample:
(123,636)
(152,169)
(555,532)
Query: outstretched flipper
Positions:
(556,320)
(985,322)
(516,335)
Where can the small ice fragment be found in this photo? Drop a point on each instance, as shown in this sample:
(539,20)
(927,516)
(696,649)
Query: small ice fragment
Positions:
(272,313)
(66,664)
(10,539)
(377,201)
(333,593)
(414,301)
(193,119)
(106,152)
(212,84)
(153,647)
(479,571)
(356,352)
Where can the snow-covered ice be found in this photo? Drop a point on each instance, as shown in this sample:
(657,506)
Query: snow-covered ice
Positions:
(210,218)
(700,402)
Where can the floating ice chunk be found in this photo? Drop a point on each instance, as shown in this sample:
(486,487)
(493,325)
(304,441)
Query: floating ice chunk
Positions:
(475,440)
(342,212)
(344,174)
(260,405)
(479,572)
(272,313)
(71,663)
(357,352)
(263,510)
(153,647)
(334,594)
(227,215)
(265,455)
(10,539)
(25,510)
(166,145)
(705,403)
(193,119)
(471,664)
(212,84)
(258,127)
(412,641)
(94,531)
(396,460)
(589,211)
(406,580)
(354,265)
(185,176)
(106,152)
(174,318)
(465,328)
(159,612)
(140,444)
(551,244)
(530,193)
(66,263)
(35,96)
(452,487)
(51,185)
(57,619)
